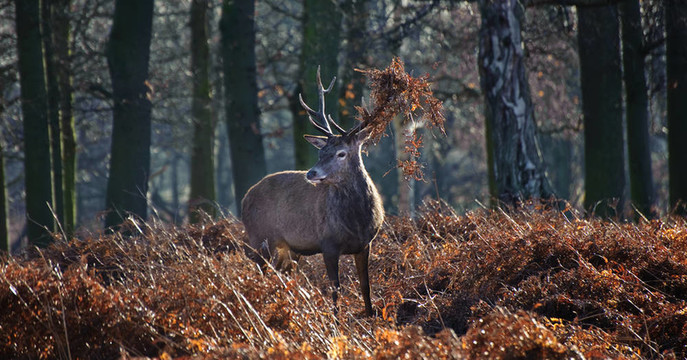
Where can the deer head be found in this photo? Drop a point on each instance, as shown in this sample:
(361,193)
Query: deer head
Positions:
(339,155)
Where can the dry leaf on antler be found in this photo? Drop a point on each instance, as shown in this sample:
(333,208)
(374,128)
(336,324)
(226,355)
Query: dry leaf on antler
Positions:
(396,93)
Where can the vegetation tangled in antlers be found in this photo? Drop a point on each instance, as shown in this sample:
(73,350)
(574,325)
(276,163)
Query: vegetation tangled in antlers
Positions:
(394,92)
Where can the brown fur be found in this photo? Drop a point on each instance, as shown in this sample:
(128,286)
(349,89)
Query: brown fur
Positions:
(333,209)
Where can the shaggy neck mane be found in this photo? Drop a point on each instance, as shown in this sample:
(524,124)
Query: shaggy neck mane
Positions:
(353,201)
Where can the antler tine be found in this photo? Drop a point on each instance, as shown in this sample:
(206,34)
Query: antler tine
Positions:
(319,82)
(327,131)
(325,91)
(354,130)
(321,91)
(320,115)
(336,126)
(361,125)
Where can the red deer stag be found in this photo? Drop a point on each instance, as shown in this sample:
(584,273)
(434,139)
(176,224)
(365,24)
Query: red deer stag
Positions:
(333,209)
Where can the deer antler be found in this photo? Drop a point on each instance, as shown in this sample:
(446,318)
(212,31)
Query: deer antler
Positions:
(324,119)
(362,124)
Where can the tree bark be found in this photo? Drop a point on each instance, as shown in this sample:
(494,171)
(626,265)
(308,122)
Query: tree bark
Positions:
(656,69)
(202,195)
(224,181)
(53,92)
(37,168)
(442,177)
(637,110)
(516,169)
(62,47)
(321,41)
(4,215)
(676,63)
(383,156)
(353,82)
(559,156)
(128,54)
(601,82)
(243,116)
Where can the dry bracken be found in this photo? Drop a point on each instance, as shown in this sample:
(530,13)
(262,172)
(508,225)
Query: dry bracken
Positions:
(528,283)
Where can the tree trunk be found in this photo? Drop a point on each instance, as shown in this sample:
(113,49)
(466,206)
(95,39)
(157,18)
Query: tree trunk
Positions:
(4,215)
(4,206)
(637,110)
(676,59)
(516,169)
(53,91)
(657,69)
(61,31)
(560,157)
(601,82)
(353,82)
(441,170)
(243,116)
(225,197)
(321,41)
(37,168)
(224,183)
(174,174)
(202,195)
(128,53)
(383,171)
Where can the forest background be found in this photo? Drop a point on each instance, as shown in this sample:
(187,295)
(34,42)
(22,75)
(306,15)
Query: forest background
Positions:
(117,108)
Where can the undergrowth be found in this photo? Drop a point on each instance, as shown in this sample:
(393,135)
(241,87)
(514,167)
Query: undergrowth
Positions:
(515,284)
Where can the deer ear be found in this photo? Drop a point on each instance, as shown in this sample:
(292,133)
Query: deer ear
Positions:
(316,141)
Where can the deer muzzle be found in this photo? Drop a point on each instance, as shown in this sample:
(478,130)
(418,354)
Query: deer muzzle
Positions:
(315,176)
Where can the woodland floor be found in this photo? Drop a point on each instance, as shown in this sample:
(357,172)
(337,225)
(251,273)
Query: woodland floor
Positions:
(533,283)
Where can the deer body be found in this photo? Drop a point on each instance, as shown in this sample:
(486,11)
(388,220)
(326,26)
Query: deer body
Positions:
(332,209)
(311,217)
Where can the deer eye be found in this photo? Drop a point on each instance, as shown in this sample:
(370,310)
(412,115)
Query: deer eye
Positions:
(341,154)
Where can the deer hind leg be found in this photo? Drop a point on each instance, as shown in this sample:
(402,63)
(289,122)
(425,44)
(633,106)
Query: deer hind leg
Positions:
(285,259)
(292,261)
(262,251)
(361,264)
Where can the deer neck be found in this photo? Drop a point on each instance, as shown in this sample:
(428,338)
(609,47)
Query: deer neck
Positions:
(355,203)
(356,186)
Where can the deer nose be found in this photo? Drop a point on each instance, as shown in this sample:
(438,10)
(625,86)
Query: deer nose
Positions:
(314,176)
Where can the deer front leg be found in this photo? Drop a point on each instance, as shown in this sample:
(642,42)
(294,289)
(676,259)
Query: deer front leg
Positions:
(331,262)
(361,264)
